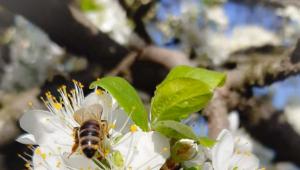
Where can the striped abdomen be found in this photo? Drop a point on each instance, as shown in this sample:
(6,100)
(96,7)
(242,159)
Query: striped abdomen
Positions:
(89,137)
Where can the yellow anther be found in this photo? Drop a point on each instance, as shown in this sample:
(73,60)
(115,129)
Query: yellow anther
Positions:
(58,163)
(57,106)
(165,149)
(98,92)
(29,146)
(30,104)
(106,152)
(133,128)
(27,165)
(112,126)
(262,168)
(44,156)
(38,151)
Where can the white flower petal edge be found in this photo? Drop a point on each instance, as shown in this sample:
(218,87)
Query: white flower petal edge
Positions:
(222,151)
(27,139)
(143,150)
(228,153)
(46,129)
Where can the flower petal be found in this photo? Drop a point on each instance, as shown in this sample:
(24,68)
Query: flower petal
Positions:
(115,116)
(243,144)
(144,150)
(223,150)
(244,161)
(207,166)
(47,130)
(78,161)
(45,159)
(27,139)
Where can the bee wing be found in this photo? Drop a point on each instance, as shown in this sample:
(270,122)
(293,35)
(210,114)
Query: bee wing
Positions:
(93,112)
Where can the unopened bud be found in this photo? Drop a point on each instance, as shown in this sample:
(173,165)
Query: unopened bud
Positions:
(183,150)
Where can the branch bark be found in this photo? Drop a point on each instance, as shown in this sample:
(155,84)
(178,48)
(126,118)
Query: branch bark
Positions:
(68,27)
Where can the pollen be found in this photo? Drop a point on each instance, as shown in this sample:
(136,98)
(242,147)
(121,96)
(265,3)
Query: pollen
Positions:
(133,128)
(38,151)
(57,106)
(98,92)
(262,168)
(106,152)
(58,164)
(165,149)
(30,104)
(44,156)
(112,126)
(27,165)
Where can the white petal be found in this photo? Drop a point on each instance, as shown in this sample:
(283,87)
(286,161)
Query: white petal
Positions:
(244,161)
(45,159)
(47,130)
(27,139)
(207,166)
(234,121)
(34,122)
(77,161)
(243,144)
(223,150)
(121,121)
(111,112)
(144,150)
(91,99)
(104,99)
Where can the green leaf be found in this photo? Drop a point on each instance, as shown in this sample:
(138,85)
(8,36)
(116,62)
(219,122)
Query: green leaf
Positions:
(89,5)
(126,97)
(212,78)
(174,129)
(206,142)
(178,98)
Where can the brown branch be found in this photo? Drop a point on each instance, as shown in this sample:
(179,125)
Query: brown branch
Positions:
(262,73)
(69,28)
(216,111)
(166,57)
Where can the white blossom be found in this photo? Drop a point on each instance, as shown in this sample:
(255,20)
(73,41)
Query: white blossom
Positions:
(52,131)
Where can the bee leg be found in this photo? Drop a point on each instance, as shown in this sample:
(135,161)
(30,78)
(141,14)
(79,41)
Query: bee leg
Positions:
(76,140)
(104,125)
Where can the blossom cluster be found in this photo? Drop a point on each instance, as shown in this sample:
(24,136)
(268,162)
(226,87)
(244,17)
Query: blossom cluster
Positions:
(127,146)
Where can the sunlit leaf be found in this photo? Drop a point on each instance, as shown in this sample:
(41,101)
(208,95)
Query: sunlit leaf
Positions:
(174,129)
(126,97)
(178,98)
(212,78)
(206,142)
(89,5)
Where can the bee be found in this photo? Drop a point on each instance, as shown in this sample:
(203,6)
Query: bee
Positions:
(89,137)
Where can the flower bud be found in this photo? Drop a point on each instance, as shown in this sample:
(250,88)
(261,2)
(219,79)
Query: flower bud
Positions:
(183,150)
